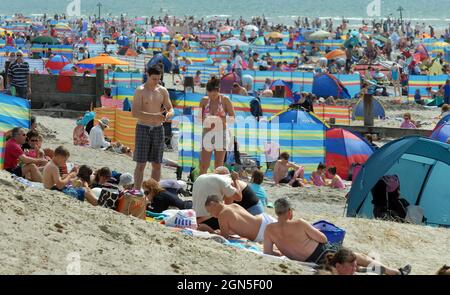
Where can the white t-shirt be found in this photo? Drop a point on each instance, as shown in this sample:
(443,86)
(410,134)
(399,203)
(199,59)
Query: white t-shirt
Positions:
(238,62)
(97,138)
(207,185)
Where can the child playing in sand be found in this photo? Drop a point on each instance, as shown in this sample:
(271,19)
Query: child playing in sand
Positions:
(336,181)
(53,181)
(318,176)
(408,123)
(257,180)
(281,173)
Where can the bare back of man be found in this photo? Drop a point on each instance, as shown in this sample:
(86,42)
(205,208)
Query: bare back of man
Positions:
(50,175)
(234,219)
(292,238)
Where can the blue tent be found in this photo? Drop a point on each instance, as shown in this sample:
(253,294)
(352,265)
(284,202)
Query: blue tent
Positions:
(377,110)
(423,167)
(160,57)
(326,85)
(444,120)
(441,133)
(297,117)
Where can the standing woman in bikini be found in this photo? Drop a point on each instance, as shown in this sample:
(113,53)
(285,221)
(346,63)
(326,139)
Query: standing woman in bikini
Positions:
(214,111)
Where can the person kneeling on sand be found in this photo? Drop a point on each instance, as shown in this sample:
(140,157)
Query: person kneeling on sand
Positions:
(234,219)
(299,240)
(52,179)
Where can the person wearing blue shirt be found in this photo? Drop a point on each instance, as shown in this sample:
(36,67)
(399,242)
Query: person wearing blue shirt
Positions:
(257,180)
(447,92)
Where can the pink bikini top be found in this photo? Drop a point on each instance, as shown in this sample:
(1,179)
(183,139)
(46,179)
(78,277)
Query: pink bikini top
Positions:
(220,109)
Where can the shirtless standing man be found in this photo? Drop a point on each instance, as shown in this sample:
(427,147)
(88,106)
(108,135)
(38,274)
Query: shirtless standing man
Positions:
(152,107)
(299,240)
(234,219)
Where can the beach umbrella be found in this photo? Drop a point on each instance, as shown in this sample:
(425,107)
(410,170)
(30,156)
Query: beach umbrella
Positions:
(232,42)
(224,29)
(62,27)
(66,73)
(57,62)
(160,29)
(337,53)
(275,35)
(103,59)
(251,28)
(45,40)
(319,35)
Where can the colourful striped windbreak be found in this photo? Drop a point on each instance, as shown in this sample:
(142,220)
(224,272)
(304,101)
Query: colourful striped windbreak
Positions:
(422,82)
(65,50)
(2,150)
(302,81)
(351,82)
(14,112)
(304,141)
(341,114)
(122,125)
(206,71)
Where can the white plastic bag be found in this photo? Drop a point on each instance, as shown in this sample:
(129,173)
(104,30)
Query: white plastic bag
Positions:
(415,214)
(181,218)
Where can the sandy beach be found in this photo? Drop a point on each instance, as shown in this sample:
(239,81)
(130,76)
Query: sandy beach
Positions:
(41,228)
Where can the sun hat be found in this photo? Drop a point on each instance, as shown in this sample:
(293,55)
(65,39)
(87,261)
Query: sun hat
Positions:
(104,121)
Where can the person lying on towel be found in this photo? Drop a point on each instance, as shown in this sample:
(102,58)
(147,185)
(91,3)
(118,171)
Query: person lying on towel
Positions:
(299,240)
(234,219)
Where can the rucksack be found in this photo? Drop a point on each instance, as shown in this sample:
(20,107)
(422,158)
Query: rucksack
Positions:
(255,108)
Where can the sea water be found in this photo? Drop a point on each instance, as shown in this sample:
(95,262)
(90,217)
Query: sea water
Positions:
(434,12)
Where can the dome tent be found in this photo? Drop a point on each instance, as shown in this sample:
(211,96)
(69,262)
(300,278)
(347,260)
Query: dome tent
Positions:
(430,161)
(326,85)
(377,110)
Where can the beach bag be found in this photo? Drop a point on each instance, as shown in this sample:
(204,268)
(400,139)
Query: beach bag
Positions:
(181,218)
(132,204)
(334,234)
(109,198)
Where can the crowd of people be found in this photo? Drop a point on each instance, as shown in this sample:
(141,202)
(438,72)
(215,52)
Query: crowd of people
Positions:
(223,202)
